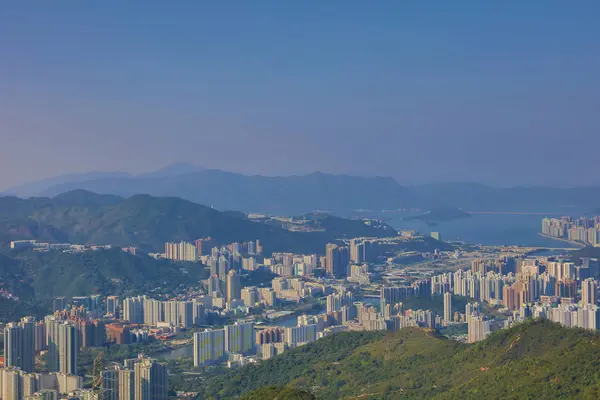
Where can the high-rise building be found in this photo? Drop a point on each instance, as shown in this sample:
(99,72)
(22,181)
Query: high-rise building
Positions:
(357,251)
(259,248)
(447,306)
(252,248)
(181,251)
(92,333)
(239,338)
(133,310)
(234,287)
(19,345)
(209,346)
(59,303)
(203,246)
(198,312)
(508,297)
(68,348)
(249,264)
(179,313)
(214,286)
(394,295)
(338,259)
(126,384)
(479,266)
(150,380)
(223,267)
(63,346)
(110,384)
(267,296)
(213,265)
(588,291)
(336,301)
(268,350)
(270,335)
(249,296)
(11,379)
(82,301)
(112,305)
(300,334)
(52,361)
(153,311)
(478,329)
(39,334)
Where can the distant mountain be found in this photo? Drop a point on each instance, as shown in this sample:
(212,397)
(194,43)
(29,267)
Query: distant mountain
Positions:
(80,197)
(172,170)
(38,187)
(148,222)
(277,195)
(533,360)
(77,181)
(299,194)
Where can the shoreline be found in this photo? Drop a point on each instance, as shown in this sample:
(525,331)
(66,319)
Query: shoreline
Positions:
(578,244)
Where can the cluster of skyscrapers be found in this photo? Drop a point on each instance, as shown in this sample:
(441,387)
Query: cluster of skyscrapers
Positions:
(139,379)
(192,252)
(173,313)
(584,230)
(539,287)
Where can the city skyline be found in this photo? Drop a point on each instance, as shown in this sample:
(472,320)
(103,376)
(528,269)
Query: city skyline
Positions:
(305,298)
(347,89)
(316,200)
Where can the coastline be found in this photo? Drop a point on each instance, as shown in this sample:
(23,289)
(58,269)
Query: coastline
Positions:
(578,244)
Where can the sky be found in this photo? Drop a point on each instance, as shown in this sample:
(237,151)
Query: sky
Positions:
(504,93)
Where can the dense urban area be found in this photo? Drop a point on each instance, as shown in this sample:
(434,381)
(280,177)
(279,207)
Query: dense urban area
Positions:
(255,306)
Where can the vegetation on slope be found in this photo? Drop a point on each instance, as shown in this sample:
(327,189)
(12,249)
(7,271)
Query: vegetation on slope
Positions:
(278,393)
(537,359)
(287,367)
(148,222)
(36,277)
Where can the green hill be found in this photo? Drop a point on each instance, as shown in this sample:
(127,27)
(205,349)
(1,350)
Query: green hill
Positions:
(537,359)
(148,222)
(278,393)
(35,278)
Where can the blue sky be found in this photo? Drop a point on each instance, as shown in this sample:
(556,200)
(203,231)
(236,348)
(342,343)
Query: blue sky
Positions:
(503,92)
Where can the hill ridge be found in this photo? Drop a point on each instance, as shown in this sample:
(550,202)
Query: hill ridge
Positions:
(535,359)
(148,222)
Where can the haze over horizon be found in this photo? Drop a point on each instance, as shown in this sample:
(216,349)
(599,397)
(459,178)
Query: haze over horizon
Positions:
(502,94)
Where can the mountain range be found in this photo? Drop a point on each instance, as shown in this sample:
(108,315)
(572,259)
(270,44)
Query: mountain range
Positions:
(147,222)
(537,359)
(289,195)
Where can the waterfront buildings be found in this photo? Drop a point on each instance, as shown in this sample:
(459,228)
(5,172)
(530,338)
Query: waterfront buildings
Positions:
(584,230)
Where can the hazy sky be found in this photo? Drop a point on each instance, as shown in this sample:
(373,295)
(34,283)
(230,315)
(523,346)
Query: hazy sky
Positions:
(502,92)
